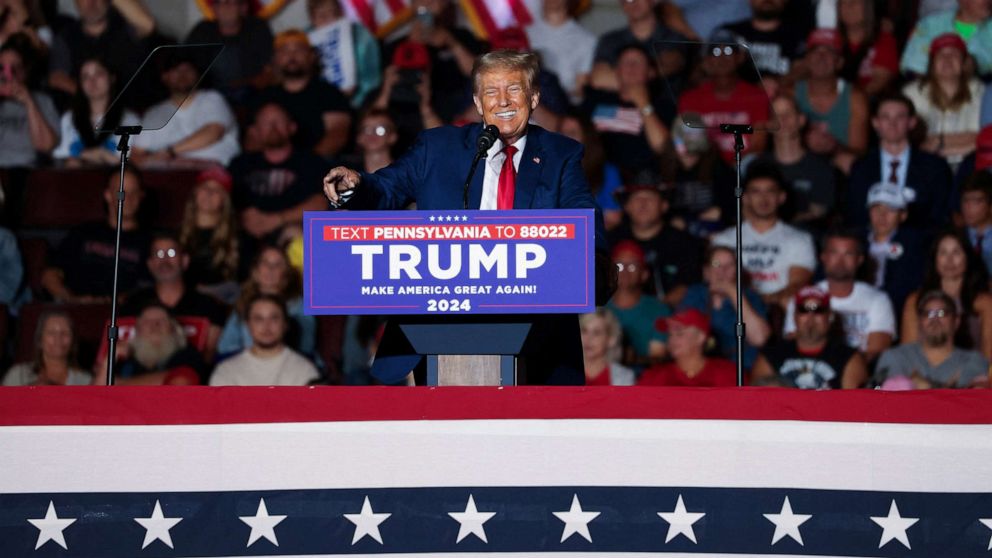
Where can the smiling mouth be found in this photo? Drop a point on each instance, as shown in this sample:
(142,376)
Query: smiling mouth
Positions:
(506,115)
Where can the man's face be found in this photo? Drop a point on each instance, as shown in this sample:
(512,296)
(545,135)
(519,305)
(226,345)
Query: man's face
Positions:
(181,79)
(266,324)
(132,194)
(822,61)
(153,325)
(893,122)
(812,321)
(937,323)
(11,65)
(229,11)
(92,12)
(633,68)
(975,9)
(636,10)
(503,99)
(762,198)
(975,209)
(274,127)
(885,219)
(840,259)
(645,208)
(685,340)
(631,270)
(724,65)
(767,9)
(294,59)
(166,261)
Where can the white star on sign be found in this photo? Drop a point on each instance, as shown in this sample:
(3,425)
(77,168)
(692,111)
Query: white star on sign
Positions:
(576,520)
(894,526)
(680,521)
(471,521)
(787,523)
(366,522)
(988,523)
(449,218)
(157,526)
(262,524)
(50,527)
(432,218)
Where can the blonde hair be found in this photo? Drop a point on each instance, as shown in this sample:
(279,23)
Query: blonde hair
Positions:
(223,240)
(614,333)
(506,59)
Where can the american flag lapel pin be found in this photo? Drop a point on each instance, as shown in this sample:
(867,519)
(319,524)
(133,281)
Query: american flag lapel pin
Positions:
(537,160)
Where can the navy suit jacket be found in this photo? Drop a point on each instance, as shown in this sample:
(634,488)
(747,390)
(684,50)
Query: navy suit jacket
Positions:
(904,274)
(929,175)
(432,174)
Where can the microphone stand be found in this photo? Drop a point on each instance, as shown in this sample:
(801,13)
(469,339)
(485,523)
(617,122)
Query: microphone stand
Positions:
(738,130)
(471,173)
(125,133)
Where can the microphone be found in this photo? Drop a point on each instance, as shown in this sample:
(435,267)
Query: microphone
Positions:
(487,138)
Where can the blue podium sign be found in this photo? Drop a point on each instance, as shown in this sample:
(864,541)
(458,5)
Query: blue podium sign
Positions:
(449,262)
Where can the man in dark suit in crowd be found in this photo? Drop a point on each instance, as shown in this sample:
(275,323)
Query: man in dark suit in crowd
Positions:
(548,174)
(924,179)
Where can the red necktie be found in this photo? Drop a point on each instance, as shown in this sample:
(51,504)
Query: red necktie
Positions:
(507,180)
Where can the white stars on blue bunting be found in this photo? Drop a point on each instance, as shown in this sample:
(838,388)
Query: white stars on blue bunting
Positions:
(50,527)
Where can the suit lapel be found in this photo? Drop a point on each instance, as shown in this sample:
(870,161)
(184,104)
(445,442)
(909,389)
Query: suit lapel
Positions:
(475,189)
(529,171)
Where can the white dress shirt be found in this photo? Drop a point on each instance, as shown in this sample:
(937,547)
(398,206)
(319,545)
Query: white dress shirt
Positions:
(494,163)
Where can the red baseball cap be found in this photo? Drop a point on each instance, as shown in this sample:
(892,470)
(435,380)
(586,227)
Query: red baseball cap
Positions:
(806,294)
(688,317)
(825,37)
(948,40)
(629,246)
(983,149)
(218,175)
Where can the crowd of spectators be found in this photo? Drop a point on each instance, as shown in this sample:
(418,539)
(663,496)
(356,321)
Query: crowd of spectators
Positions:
(867,185)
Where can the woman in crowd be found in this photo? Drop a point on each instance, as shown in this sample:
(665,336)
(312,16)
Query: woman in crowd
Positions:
(955,269)
(631,121)
(601,350)
(272,274)
(688,335)
(209,234)
(716,297)
(702,196)
(80,143)
(871,55)
(949,99)
(55,356)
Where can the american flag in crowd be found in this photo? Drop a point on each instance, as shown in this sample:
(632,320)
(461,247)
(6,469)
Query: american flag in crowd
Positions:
(485,17)
(215,472)
(614,118)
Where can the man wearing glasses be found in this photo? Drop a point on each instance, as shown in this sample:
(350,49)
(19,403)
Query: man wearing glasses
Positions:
(818,358)
(868,320)
(933,361)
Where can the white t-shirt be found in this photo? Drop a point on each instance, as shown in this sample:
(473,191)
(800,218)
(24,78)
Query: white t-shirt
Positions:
(71,145)
(866,310)
(566,50)
(204,108)
(769,255)
(289,368)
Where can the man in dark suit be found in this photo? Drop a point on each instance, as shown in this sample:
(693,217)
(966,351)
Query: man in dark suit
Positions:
(925,179)
(547,174)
